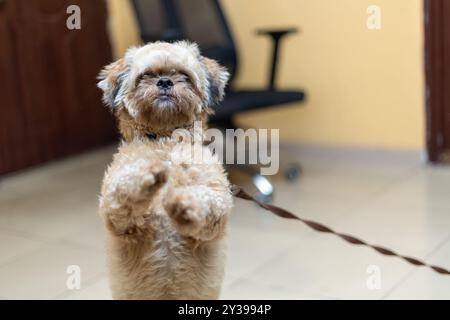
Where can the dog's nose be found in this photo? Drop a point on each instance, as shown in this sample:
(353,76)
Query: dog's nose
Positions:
(164,83)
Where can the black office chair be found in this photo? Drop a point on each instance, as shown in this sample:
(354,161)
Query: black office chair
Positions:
(203,21)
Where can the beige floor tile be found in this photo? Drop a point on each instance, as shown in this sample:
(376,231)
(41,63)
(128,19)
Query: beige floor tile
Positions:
(365,172)
(303,204)
(327,266)
(328,193)
(426,190)
(55,200)
(66,175)
(13,245)
(229,278)
(332,207)
(425,284)
(92,235)
(248,214)
(247,290)
(49,218)
(42,273)
(412,231)
(257,237)
(98,290)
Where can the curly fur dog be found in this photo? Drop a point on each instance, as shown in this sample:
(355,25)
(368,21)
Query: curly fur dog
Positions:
(165,221)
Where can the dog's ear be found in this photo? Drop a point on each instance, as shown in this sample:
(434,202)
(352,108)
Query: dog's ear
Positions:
(218,78)
(111,82)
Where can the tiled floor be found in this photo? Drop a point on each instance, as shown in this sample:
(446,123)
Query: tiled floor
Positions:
(49,221)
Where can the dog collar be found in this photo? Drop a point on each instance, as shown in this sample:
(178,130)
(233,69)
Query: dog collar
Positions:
(155,136)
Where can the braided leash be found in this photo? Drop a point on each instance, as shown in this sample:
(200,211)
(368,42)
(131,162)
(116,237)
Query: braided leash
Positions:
(240,193)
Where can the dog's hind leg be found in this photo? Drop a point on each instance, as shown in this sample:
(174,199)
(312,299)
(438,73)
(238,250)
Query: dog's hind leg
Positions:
(129,186)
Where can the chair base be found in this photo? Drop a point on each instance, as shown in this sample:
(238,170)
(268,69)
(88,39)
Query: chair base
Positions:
(263,185)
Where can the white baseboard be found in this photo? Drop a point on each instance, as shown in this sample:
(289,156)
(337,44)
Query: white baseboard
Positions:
(407,157)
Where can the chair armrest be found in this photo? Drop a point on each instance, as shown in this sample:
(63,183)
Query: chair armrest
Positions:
(276,35)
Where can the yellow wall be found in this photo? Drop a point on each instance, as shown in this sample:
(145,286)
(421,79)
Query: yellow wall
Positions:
(365,88)
(123,26)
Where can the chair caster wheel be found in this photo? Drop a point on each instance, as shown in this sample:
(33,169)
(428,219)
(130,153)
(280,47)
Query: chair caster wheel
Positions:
(292,172)
(264,187)
(264,198)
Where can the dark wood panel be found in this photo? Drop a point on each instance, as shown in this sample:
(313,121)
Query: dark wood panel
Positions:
(446,77)
(51,106)
(437,66)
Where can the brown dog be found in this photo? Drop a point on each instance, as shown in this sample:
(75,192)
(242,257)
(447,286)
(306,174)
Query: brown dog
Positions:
(165,221)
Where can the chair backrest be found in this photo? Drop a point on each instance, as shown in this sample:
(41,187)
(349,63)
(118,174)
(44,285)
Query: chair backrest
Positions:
(201,21)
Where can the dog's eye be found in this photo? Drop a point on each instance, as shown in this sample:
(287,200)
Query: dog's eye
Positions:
(145,75)
(149,74)
(185,76)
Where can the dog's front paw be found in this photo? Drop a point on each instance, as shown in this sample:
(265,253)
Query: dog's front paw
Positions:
(152,180)
(185,210)
(140,181)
